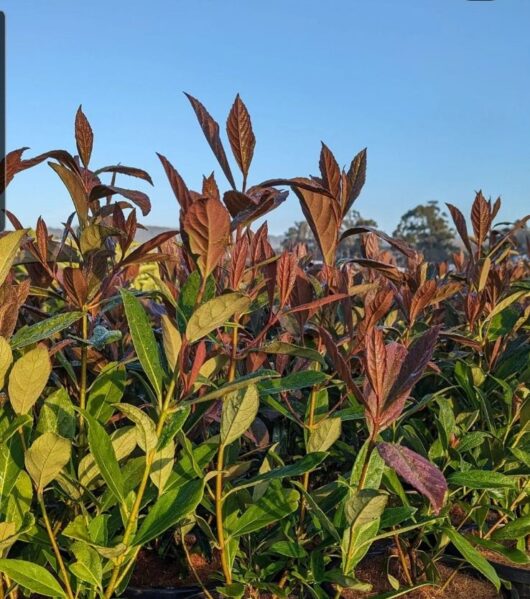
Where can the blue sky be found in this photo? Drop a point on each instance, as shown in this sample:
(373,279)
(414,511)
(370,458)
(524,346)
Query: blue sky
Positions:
(439,91)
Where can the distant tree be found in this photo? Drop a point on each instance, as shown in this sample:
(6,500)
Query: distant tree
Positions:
(426,228)
(300,233)
(349,248)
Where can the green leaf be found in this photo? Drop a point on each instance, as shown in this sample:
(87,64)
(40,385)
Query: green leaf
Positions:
(306,464)
(123,439)
(277,503)
(13,427)
(288,549)
(293,382)
(481,479)
(288,349)
(144,340)
(88,567)
(28,335)
(9,245)
(31,576)
(147,438)
(173,426)
(170,508)
(241,383)
(214,314)
(45,459)
(239,411)
(363,510)
(107,389)
(6,359)
(516,529)
(473,557)
(513,554)
(103,452)
(19,500)
(10,453)
(27,379)
(317,512)
(324,434)
(172,341)
(162,466)
(57,415)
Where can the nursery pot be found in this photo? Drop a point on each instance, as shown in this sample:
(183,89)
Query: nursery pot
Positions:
(188,592)
(518,577)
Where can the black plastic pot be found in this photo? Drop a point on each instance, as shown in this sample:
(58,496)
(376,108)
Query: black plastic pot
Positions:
(191,592)
(518,577)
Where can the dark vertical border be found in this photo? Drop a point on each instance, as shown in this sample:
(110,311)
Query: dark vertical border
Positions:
(2,118)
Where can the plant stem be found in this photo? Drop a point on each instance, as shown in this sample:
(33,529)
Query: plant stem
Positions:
(55,547)
(219,514)
(220,465)
(403,561)
(133,516)
(310,424)
(83,381)
(193,570)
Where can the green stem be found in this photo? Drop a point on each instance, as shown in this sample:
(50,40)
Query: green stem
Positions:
(83,381)
(192,568)
(220,466)
(55,547)
(133,516)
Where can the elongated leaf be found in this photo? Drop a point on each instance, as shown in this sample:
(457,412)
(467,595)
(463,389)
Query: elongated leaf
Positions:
(322,214)
(131,171)
(45,459)
(480,218)
(105,457)
(28,335)
(318,513)
(215,313)
(9,245)
(355,179)
(481,479)
(162,466)
(473,557)
(124,441)
(84,138)
(144,340)
(88,567)
(170,508)
(417,471)
(57,415)
(106,390)
(294,381)
(6,359)
(240,135)
(31,576)
(178,186)
(147,438)
(276,504)
(207,226)
(74,184)
(172,341)
(210,129)
(27,379)
(239,411)
(288,349)
(330,171)
(516,529)
(324,434)
(306,464)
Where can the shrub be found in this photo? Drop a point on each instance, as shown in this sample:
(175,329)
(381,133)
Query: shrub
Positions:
(289,413)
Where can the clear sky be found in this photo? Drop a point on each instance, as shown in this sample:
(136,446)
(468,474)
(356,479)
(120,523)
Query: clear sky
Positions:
(439,91)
